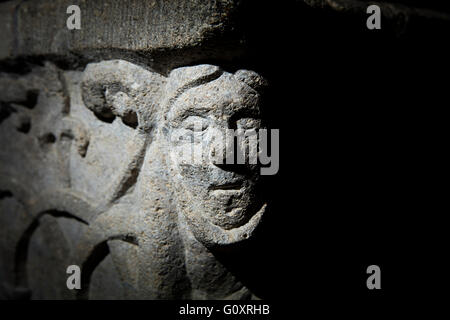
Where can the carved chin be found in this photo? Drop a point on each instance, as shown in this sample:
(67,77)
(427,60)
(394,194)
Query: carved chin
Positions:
(212,235)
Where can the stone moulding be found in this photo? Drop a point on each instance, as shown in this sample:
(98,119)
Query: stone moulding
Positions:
(158,33)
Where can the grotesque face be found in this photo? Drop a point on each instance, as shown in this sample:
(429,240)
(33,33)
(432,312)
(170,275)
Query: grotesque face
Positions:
(219,200)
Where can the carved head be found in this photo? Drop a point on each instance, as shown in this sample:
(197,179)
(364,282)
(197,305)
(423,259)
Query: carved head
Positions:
(192,108)
(220,202)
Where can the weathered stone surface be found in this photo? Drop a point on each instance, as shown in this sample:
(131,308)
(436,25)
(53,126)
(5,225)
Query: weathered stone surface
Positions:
(167,34)
(90,165)
(150,32)
(107,189)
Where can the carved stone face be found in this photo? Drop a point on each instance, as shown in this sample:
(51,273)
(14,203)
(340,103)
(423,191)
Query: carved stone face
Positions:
(219,201)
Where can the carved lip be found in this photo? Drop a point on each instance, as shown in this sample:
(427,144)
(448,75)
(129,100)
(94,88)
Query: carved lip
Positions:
(233,186)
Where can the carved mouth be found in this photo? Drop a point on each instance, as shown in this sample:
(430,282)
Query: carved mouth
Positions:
(227,186)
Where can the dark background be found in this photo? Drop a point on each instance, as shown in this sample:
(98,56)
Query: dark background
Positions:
(361,115)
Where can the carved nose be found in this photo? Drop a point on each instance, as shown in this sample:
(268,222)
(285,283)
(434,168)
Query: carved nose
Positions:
(224,157)
(218,153)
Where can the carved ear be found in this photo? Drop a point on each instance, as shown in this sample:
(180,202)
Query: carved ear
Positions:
(119,88)
(252,79)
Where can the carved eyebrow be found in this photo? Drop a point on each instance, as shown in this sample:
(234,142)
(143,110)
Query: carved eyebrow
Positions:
(187,111)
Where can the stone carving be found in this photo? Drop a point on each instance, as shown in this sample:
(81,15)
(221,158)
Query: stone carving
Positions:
(107,190)
(90,121)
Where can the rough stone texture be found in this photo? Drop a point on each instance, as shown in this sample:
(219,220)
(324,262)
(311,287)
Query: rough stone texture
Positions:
(89,170)
(167,34)
(106,189)
(150,32)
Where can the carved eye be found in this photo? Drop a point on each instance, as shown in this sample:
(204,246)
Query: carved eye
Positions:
(195,124)
(248,123)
